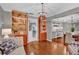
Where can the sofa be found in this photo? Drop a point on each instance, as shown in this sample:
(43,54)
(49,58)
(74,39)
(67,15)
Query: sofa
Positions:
(12,46)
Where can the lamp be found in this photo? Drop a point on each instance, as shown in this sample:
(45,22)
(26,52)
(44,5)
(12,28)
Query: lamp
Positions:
(6,32)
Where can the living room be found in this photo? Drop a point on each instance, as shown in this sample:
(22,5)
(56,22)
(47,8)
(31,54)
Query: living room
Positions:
(39,28)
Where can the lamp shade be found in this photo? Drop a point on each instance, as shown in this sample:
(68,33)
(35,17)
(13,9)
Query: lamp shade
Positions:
(6,31)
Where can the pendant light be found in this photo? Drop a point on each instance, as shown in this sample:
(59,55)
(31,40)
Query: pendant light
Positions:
(42,13)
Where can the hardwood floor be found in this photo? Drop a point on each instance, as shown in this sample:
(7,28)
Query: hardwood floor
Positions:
(45,48)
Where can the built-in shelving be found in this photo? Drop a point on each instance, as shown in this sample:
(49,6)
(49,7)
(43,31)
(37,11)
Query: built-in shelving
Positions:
(19,22)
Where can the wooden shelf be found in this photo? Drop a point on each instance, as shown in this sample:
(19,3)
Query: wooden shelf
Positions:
(42,28)
(19,22)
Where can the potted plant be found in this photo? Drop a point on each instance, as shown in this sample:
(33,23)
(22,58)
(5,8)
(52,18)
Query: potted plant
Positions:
(72,29)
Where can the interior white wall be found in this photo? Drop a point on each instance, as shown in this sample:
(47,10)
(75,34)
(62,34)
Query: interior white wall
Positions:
(77,26)
(66,27)
(7,19)
(49,29)
(1,19)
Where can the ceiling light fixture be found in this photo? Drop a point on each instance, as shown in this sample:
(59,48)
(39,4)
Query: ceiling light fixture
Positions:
(42,10)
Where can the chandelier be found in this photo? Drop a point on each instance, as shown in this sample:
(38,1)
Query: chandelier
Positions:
(42,13)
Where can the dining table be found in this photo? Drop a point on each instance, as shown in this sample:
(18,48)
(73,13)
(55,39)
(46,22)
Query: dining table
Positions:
(45,48)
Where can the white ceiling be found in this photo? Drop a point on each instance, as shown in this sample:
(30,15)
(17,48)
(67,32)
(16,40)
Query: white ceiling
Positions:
(51,8)
(68,19)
